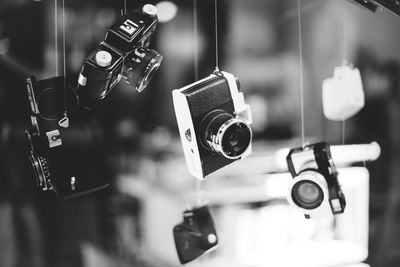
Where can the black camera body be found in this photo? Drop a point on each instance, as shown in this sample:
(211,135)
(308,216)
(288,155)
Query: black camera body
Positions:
(195,235)
(123,54)
(66,159)
(315,189)
(213,122)
(391,5)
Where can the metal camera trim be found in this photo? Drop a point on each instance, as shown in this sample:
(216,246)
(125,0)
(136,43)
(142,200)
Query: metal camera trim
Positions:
(317,178)
(40,168)
(216,142)
(143,81)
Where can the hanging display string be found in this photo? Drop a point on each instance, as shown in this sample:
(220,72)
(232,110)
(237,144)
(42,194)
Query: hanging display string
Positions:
(195,43)
(344,43)
(56,35)
(124,7)
(344,62)
(216,36)
(343,132)
(56,56)
(64,62)
(301,71)
(199,183)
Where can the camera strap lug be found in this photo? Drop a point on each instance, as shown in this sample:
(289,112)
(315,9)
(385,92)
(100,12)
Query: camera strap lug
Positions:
(64,122)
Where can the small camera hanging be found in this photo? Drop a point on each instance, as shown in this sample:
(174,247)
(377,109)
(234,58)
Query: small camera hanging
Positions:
(124,54)
(196,234)
(314,190)
(213,120)
(343,94)
(63,148)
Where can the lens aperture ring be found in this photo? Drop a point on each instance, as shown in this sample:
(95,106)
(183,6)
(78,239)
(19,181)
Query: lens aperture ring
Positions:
(234,144)
(140,67)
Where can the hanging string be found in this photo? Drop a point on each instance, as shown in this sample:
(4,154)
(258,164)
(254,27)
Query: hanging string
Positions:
(344,44)
(124,7)
(199,183)
(216,35)
(56,35)
(64,59)
(195,43)
(343,131)
(301,72)
(55,116)
(344,62)
(63,30)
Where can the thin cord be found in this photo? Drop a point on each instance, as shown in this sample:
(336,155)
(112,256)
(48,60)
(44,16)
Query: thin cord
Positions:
(216,35)
(195,45)
(56,35)
(344,45)
(344,62)
(343,132)
(64,63)
(125,7)
(199,183)
(301,72)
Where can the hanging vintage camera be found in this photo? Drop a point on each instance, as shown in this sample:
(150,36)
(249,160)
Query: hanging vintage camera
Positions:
(63,140)
(123,54)
(315,189)
(343,94)
(213,122)
(195,235)
(391,5)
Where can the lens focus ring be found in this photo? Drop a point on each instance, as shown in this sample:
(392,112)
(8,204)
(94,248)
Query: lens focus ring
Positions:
(140,67)
(226,135)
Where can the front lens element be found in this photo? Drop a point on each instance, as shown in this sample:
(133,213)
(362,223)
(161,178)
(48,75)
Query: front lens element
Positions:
(224,134)
(307,194)
(141,66)
(236,139)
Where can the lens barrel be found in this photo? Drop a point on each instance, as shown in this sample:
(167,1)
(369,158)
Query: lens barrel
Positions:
(308,189)
(225,134)
(140,67)
(307,194)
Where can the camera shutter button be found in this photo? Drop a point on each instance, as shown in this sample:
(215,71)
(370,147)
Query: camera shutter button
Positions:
(103,58)
(150,10)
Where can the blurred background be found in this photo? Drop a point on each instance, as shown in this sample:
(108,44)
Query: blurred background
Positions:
(130,224)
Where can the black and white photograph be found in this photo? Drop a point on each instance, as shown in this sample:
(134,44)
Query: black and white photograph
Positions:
(199,133)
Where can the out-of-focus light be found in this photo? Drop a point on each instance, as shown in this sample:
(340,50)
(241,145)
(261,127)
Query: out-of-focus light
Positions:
(105,17)
(4,46)
(166,11)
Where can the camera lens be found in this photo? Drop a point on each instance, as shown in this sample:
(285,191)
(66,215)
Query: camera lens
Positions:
(51,103)
(140,67)
(236,139)
(307,194)
(225,134)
